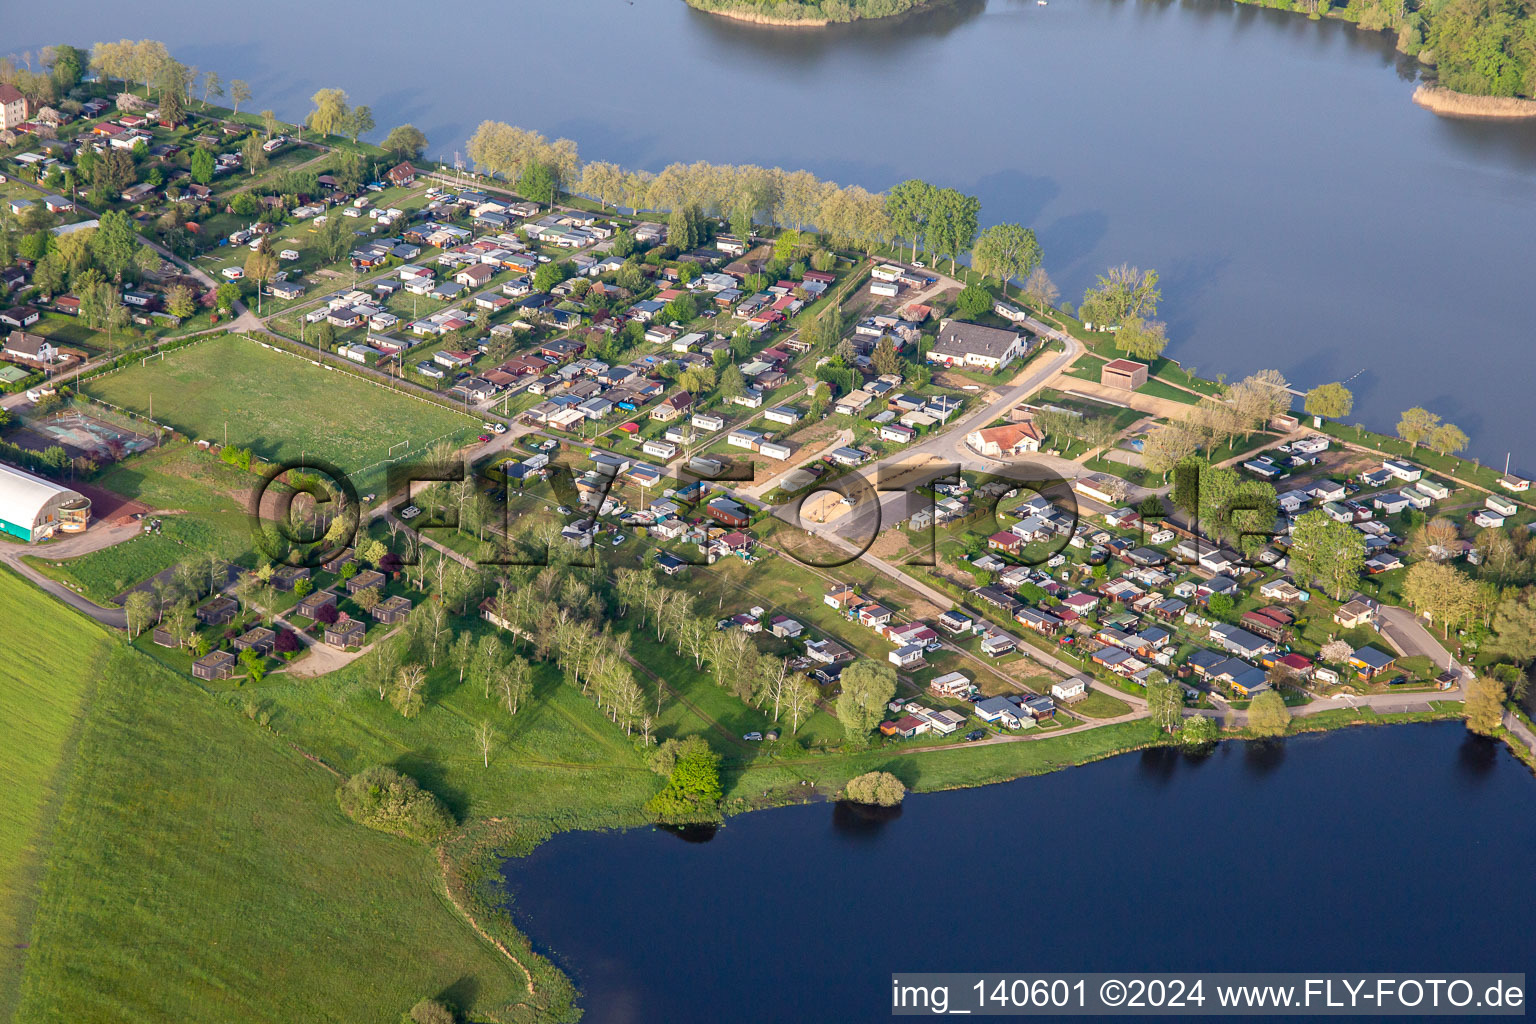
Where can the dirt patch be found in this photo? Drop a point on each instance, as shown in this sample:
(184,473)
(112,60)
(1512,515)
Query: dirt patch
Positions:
(108,506)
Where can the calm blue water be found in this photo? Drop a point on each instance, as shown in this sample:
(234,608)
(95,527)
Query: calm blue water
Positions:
(1303,213)
(1373,849)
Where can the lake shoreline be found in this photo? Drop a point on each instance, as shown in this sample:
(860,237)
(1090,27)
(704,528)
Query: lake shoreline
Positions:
(749,16)
(1450,103)
(476,861)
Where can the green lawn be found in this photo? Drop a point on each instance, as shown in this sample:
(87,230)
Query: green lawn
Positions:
(1099,704)
(44,684)
(101,575)
(209,875)
(279,405)
(181,477)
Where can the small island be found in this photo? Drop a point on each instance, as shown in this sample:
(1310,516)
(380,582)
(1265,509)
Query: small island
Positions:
(806,13)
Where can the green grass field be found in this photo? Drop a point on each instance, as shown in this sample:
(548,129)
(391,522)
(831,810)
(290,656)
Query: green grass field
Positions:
(279,405)
(44,683)
(209,875)
(101,575)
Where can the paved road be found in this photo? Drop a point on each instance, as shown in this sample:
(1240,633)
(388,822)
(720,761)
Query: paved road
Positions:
(1403,630)
(97,537)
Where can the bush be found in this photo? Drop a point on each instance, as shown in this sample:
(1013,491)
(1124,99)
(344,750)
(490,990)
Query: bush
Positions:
(431,1011)
(693,791)
(384,799)
(881,789)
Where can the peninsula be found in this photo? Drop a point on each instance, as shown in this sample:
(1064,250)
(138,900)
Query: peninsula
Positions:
(807,13)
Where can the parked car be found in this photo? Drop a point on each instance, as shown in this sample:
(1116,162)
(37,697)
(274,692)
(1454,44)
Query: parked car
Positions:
(974,735)
(753,736)
(410,512)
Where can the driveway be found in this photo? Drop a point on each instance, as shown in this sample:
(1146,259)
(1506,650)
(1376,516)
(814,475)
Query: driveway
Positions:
(100,536)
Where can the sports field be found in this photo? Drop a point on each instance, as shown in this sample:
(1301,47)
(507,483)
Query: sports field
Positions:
(43,685)
(279,405)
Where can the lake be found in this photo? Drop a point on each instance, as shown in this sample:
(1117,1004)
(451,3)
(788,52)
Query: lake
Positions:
(1302,212)
(1366,850)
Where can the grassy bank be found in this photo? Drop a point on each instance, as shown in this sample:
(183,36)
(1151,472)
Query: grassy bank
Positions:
(210,875)
(45,684)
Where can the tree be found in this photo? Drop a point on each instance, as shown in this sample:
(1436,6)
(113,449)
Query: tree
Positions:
(1417,425)
(1514,623)
(537,183)
(1040,290)
(269,123)
(406,142)
(359,122)
(1007,252)
(884,357)
(1199,731)
(239,92)
(1121,293)
(1165,704)
(139,609)
(1441,593)
(330,114)
(1144,339)
(114,244)
(1234,510)
(201,165)
(1437,539)
(252,156)
(406,696)
(907,207)
(334,239)
(1448,439)
(485,739)
(213,86)
(1220,606)
(513,684)
(260,267)
(1484,706)
(1329,552)
(867,687)
(973,301)
(1330,401)
(878,789)
(800,697)
(255,664)
(1268,716)
(173,100)
(181,301)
